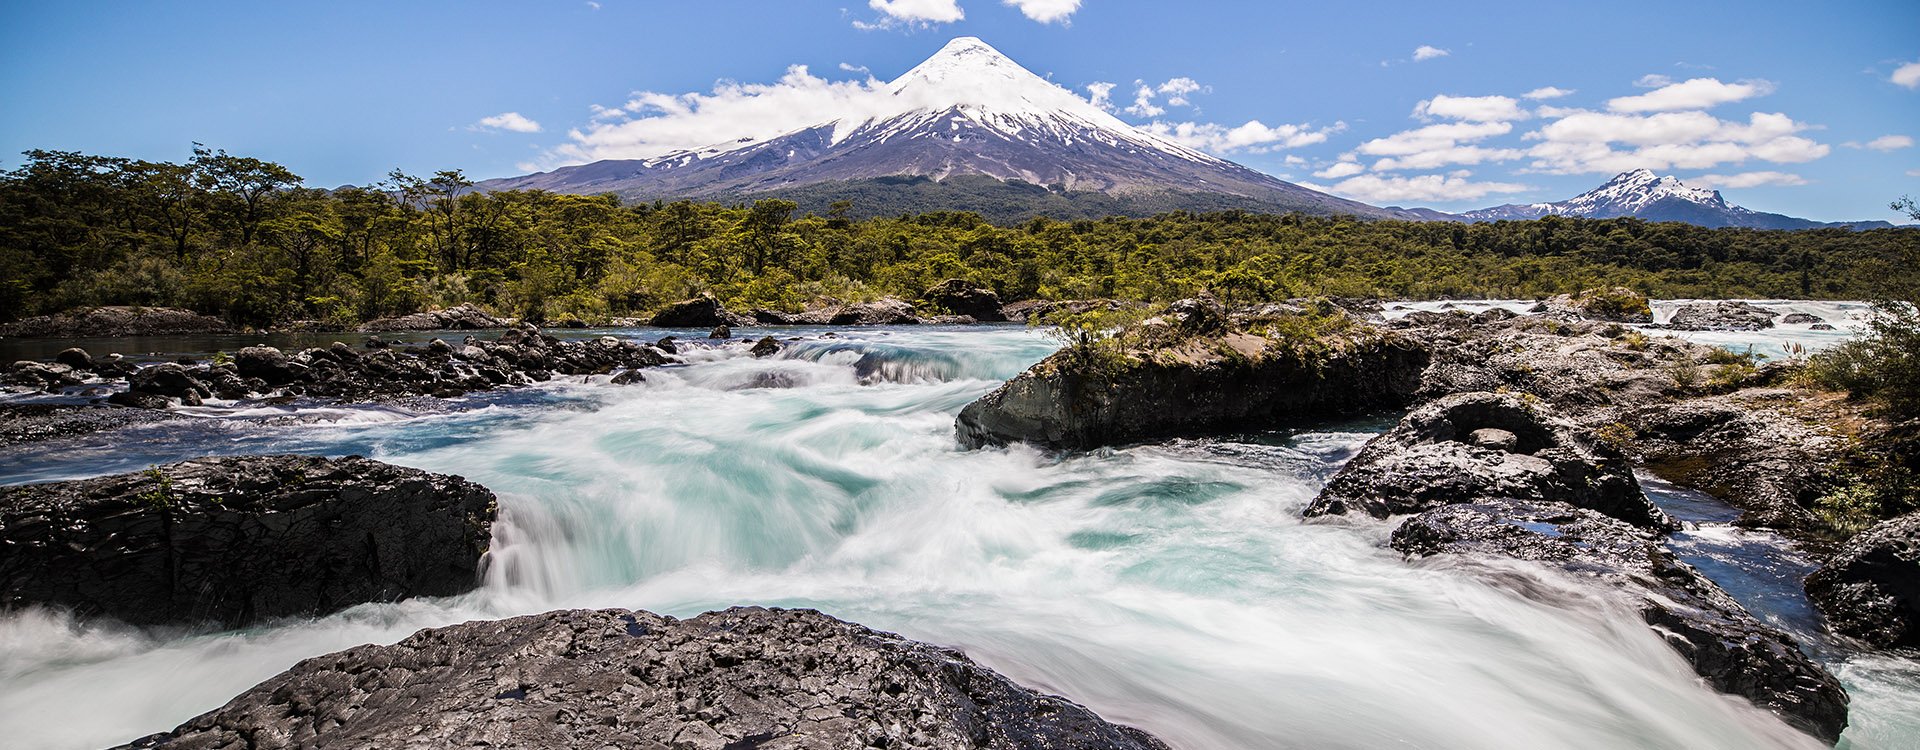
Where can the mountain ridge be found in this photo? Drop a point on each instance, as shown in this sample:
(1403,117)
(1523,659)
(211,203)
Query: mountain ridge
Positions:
(1641,194)
(967,110)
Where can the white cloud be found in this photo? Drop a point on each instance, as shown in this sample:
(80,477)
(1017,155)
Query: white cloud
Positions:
(661,123)
(1254,136)
(913,13)
(593,5)
(1885,143)
(852,68)
(1175,90)
(1547,92)
(1653,81)
(1443,157)
(1046,11)
(1428,52)
(1697,93)
(1907,75)
(1913,173)
(1582,142)
(1474,108)
(512,121)
(1430,188)
(1340,169)
(1747,180)
(1101,94)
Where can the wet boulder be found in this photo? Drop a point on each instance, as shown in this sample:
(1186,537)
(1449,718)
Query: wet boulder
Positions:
(1801,319)
(1474,447)
(31,375)
(167,380)
(1611,305)
(460,318)
(115,321)
(1731,649)
(885,312)
(1724,315)
(236,540)
(1870,590)
(266,363)
(75,357)
(720,332)
(765,347)
(731,680)
(1179,375)
(699,312)
(961,297)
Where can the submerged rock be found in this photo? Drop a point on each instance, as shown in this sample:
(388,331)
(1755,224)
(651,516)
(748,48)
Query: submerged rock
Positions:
(1475,447)
(1870,590)
(1733,651)
(1725,315)
(461,317)
(765,347)
(115,321)
(31,423)
(960,297)
(1194,373)
(732,680)
(236,540)
(1615,305)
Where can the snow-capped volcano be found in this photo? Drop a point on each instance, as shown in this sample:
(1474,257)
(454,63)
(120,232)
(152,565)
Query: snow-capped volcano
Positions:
(1645,195)
(968,111)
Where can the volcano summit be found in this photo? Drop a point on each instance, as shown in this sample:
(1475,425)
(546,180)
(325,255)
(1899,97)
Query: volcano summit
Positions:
(968,129)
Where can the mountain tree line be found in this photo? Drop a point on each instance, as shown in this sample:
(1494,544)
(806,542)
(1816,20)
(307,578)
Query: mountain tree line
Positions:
(245,239)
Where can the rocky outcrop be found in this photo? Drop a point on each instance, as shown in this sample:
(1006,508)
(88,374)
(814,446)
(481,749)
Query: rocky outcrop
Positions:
(518,357)
(1747,449)
(115,321)
(236,540)
(1192,371)
(461,318)
(1614,305)
(1581,368)
(732,680)
(884,312)
(1870,590)
(1476,447)
(1801,319)
(1728,647)
(32,423)
(1027,311)
(960,297)
(700,312)
(1725,315)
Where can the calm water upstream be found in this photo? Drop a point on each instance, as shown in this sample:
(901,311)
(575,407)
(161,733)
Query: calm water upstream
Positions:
(1170,586)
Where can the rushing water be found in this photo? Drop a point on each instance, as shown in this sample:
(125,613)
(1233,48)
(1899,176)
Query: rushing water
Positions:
(1171,586)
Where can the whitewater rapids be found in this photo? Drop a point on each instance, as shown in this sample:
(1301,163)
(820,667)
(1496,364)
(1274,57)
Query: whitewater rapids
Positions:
(1169,586)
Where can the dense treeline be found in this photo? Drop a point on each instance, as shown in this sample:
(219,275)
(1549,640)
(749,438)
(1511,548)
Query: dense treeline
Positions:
(243,238)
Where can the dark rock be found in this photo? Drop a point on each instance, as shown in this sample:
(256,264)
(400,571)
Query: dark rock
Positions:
(733,680)
(1870,590)
(629,377)
(115,321)
(266,363)
(169,380)
(700,312)
(765,347)
(1821,327)
(961,297)
(439,346)
(1725,315)
(1583,369)
(31,423)
(1615,305)
(462,318)
(720,332)
(40,375)
(1729,648)
(665,344)
(1431,459)
(767,317)
(1167,383)
(140,400)
(885,312)
(236,540)
(76,358)
(1800,319)
(1746,450)
(375,342)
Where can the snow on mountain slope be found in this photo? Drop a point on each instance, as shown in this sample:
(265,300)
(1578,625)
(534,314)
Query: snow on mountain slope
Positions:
(1642,194)
(967,110)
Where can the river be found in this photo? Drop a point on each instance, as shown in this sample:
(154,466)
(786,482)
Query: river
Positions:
(1171,586)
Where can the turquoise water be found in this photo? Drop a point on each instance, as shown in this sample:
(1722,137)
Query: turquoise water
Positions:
(1171,586)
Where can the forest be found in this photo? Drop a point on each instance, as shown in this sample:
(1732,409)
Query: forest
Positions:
(247,240)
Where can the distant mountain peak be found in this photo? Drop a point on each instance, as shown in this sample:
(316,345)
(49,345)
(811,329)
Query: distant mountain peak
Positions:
(966,111)
(1642,194)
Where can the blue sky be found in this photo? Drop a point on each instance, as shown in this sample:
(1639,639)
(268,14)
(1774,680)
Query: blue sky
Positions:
(1810,110)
